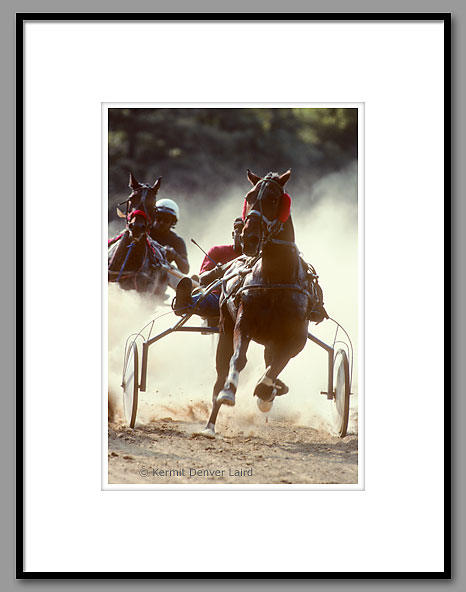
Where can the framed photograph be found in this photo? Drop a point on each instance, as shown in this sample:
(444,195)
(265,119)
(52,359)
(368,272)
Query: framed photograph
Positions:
(241,325)
(170,340)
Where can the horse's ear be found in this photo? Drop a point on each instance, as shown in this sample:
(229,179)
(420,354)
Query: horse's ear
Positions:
(283,179)
(156,185)
(132,181)
(253,178)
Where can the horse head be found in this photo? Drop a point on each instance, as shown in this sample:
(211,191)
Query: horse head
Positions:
(140,207)
(266,209)
(134,260)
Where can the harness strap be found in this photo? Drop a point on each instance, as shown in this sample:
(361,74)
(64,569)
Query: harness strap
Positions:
(142,266)
(262,216)
(130,248)
(293,287)
(274,182)
(242,273)
(113,240)
(151,247)
(145,189)
(277,241)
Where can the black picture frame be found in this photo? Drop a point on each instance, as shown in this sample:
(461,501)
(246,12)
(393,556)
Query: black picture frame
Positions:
(21,19)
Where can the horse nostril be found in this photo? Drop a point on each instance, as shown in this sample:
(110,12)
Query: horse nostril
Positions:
(137,230)
(250,244)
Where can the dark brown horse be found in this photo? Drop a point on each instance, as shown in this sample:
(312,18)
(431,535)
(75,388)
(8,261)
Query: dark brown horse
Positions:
(135,260)
(272,303)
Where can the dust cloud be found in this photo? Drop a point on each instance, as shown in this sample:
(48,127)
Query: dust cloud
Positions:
(181,368)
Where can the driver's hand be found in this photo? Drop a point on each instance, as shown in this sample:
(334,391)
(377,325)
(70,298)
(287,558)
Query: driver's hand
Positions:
(170,254)
(204,279)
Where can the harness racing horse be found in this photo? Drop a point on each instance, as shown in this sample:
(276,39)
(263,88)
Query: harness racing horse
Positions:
(135,260)
(269,305)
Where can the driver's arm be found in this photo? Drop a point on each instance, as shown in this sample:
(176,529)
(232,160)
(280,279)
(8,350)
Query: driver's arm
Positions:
(181,256)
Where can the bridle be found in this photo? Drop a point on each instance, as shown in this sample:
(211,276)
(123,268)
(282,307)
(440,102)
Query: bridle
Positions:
(142,210)
(258,212)
(273,227)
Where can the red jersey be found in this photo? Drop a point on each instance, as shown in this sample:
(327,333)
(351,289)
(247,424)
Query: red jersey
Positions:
(221,254)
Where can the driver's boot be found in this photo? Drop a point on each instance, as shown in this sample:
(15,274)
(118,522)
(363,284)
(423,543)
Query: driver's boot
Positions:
(183,300)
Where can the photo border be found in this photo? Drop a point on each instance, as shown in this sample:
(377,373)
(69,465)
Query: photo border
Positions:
(360,484)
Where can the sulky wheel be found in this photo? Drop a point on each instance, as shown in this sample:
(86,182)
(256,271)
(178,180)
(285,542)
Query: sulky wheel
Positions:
(130,384)
(342,392)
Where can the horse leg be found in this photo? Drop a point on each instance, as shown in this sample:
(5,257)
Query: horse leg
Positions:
(224,353)
(237,363)
(269,386)
(279,385)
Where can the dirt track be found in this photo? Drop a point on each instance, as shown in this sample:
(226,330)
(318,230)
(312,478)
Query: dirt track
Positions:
(275,452)
(295,446)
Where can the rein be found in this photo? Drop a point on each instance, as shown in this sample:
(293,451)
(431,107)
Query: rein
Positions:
(273,227)
(259,213)
(143,211)
(135,273)
(130,248)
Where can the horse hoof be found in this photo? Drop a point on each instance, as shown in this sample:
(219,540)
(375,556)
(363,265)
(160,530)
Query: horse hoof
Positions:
(206,433)
(226,398)
(264,406)
(281,387)
(264,392)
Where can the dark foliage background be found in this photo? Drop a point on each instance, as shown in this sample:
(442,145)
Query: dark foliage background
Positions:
(204,152)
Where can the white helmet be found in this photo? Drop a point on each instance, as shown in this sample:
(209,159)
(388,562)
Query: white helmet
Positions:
(168,206)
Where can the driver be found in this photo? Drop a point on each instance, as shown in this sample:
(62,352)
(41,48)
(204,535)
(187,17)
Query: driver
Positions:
(167,214)
(212,267)
(208,307)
